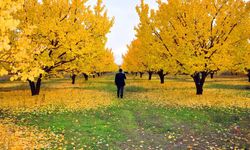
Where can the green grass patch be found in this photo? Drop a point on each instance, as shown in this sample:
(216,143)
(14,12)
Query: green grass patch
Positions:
(228,86)
(135,89)
(133,122)
(105,128)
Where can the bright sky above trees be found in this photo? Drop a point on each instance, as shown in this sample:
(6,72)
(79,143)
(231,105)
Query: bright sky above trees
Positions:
(126,18)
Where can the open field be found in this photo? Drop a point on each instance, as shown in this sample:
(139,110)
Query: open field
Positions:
(88,115)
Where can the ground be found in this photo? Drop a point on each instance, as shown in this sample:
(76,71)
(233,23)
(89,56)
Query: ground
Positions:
(88,115)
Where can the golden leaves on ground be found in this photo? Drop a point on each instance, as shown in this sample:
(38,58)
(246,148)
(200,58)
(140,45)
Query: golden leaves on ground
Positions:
(15,137)
(59,99)
(181,93)
(187,98)
(60,96)
(219,93)
(53,99)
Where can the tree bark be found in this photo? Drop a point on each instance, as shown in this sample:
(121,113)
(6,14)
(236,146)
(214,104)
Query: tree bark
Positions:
(35,87)
(161,75)
(98,74)
(150,73)
(32,87)
(38,84)
(141,73)
(86,77)
(248,75)
(199,79)
(73,77)
(212,75)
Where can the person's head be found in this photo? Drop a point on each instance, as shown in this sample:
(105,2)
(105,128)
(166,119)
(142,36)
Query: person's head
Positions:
(120,70)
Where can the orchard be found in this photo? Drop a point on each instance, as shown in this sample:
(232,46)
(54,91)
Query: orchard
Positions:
(187,74)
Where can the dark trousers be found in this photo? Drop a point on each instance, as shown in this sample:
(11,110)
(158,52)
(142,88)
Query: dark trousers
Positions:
(120,91)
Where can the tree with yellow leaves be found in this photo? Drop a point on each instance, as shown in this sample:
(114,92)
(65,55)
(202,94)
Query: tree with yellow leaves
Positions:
(91,60)
(132,60)
(54,34)
(8,24)
(147,51)
(107,62)
(241,49)
(145,44)
(155,58)
(100,63)
(197,35)
(240,59)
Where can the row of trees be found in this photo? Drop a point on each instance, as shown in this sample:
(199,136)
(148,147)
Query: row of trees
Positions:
(192,37)
(41,39)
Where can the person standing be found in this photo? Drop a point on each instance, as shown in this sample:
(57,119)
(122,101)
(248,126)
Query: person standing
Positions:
(120,83)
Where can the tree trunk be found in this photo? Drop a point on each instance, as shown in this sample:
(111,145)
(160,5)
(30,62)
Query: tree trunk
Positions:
(98,74)
(161,75)
(150,73)
(38,84)
(141,73)
(212,75)
(86,77)
(93,76)
(32,87)
(73,77)
(136,74)
(35,88)
(248,75)
(199,79)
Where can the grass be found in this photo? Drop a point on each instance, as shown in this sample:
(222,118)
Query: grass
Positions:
(152,116)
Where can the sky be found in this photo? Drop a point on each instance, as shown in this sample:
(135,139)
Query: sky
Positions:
(126,18)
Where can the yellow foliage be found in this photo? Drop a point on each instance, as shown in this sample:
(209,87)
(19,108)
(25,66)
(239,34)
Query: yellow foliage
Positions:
(59,97)
(173,93)
(181,94)
(63,97)
(56,99)
(193,36)
(7,25)
(58,36)
(15,137)
(144,53)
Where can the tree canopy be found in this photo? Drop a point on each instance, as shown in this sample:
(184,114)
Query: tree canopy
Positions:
(54,37)
(195,37)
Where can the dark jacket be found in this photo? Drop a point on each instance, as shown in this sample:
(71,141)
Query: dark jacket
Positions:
(120,79)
